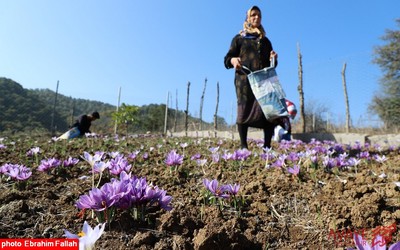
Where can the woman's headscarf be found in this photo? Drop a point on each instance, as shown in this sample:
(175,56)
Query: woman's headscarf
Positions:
(248,29)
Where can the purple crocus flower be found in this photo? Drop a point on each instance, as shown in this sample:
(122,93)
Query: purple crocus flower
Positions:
(241,154)
(4,168)
(70,162)
(195,156)
(118,164)
(364,155)
(357,146)
(164,200)
(233,189)
(2,146)
(47,164)
(99,199)
(314,159)
(294,170)
(99,167)
(328,162)
(278,163)
(353,162)
(146,156)
(227,156)
(215,157)
(173,159)
(380,158)
(133,155)
(18,172)
(293,156)
(213,149)
(33,151)
(215,189)
(91,159)
(136,192)
(201,162)
(115,154)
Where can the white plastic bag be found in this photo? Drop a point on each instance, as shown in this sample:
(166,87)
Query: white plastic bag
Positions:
(268,92)
(72,133)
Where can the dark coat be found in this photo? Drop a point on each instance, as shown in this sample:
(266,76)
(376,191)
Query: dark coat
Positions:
(254,54)
(83,124)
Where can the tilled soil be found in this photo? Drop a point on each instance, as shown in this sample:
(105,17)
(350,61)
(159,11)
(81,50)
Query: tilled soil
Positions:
(320,209)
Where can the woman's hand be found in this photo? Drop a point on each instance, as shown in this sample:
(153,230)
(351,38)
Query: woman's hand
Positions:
(236,62)
(273,55)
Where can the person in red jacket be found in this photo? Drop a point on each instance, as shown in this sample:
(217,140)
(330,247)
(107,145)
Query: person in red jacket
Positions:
(283,130)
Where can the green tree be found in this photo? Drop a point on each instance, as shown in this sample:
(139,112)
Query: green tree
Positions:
(386,103)
(126,116)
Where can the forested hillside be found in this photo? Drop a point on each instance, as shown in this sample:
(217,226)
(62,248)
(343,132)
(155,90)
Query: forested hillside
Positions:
(25,110)
(31,111)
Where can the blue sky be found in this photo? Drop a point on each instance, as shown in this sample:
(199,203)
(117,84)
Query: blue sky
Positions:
(149,48)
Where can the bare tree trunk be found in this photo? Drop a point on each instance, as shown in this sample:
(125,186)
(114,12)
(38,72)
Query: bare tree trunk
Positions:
(116,120)
(72,118)
(346,98)
(166,115)
(176,111)
(201,105)
(52,129)
(187,109)
(301,93)
(216,112)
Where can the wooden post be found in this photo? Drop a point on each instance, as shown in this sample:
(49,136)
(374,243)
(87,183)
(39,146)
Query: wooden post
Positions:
(216,112)
(176,111)
(346,98)
(187,109)
(52,130)
(201,105)
(301,93)
(166,115)
(118,102)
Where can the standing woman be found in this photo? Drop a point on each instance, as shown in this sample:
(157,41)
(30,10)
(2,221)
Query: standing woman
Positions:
(252,49)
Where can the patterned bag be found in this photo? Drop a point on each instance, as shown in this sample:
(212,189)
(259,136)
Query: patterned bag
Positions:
(268,92)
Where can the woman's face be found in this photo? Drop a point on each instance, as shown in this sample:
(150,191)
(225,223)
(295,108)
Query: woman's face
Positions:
(255,18)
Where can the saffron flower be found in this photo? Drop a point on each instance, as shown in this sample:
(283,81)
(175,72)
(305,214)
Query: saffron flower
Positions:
(213,150)
(16,171)
(99,167)
(133,155)
(173,159)
(91,159)
(241,154)
(118,164)
(47,164)
(201,162)
(233,189)
(294,170)
(98,199)
(195,156)
(227,156)
(380,158)
(215,189)
(88,236)
(70,162)
(33,151)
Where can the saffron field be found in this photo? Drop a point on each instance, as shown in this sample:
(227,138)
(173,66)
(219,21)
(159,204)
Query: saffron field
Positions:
(151,192)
